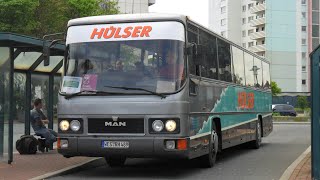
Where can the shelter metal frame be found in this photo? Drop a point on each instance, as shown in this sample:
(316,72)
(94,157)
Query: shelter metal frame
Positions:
(18,44)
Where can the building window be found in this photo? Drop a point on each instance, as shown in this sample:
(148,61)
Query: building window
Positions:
(257,29)
(223,33)
(250,18)
(250,44)
(303,68)
(223,22)
(262,29)
(244,45)
(250,5)
(303,14)
(303,41)
(262,42)
(243,20)
(304,28)
(243,33)
(303,81)
(250,31)
(243,8)
(303,55)
(223,9)
(303,1)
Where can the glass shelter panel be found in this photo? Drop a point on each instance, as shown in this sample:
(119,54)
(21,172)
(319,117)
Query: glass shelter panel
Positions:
(54,61)
(19,100)
(40,89)
(25,60)
(4,102)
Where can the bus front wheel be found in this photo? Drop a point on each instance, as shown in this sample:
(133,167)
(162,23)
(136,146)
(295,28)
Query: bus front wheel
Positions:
(115,161)
(209,160)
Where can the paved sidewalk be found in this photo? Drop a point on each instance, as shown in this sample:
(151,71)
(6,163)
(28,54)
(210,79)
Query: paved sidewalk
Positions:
(36,165)
(303,169)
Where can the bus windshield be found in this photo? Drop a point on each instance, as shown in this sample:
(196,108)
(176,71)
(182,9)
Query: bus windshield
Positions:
(152,65)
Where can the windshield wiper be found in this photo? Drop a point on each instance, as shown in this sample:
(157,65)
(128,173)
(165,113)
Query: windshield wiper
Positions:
(69,96)
(139,89)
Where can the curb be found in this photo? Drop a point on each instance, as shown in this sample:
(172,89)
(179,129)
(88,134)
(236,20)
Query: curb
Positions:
(283,122)
(64,170)
(287,173)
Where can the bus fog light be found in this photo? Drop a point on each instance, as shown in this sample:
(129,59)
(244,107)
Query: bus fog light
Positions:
(75,125)
(171,125)
(157,125)
(64,144)
(170,144)
(64,125)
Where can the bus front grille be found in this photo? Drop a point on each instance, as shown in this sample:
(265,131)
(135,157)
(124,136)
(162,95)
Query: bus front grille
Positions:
(116,125)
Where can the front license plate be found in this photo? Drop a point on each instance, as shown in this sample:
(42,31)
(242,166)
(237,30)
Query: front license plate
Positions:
(115,144)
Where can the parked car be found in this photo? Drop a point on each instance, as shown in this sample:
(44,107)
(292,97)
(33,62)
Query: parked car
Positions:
(284,109)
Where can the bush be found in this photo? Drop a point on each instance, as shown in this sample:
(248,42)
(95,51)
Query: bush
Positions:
(291,119)
(275,114)
(302,102)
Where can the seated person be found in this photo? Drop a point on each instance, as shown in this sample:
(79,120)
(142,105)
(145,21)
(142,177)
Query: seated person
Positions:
(86,67)
(38,119)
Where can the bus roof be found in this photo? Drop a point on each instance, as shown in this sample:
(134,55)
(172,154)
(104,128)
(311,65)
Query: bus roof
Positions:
(126,18)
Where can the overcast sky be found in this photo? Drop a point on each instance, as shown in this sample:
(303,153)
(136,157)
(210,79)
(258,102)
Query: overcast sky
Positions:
(197,10)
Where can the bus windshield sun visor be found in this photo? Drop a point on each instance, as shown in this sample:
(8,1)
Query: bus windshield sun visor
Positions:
(139,89)
(69,96)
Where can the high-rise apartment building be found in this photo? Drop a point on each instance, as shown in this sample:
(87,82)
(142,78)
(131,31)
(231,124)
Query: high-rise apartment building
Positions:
(279,30)
(134,6)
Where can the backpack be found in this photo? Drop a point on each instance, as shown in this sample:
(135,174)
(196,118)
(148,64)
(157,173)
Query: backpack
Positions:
(27,144)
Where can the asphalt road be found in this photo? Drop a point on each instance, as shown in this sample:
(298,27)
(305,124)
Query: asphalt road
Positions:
(278,151)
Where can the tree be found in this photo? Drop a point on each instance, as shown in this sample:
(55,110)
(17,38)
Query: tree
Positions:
(40,17)
(275,89)
(302,102)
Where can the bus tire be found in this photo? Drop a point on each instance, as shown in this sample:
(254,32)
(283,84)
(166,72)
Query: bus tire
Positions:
(115,161)
(208,160)
(257,142)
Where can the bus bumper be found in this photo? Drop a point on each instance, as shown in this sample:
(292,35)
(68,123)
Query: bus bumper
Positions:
(138,147)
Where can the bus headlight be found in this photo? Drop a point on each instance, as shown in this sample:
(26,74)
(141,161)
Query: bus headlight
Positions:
(64,125)
(171,125)
(157,125)
(75,125)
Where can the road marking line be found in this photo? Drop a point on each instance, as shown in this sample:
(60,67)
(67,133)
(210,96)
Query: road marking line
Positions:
(288,172)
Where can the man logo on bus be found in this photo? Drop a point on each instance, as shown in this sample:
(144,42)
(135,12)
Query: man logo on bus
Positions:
(115,123)
(115,118)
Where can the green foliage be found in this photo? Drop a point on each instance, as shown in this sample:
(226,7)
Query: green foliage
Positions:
(301,111)
(275,89)
(40,17)
(290,119)
(275,114)
(302,102)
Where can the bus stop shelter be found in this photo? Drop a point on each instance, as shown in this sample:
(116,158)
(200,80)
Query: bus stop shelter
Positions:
(22,55)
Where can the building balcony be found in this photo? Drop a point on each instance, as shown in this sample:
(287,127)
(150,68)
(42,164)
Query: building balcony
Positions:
(258,8)
(258,35)
(258,22)
(258,48)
